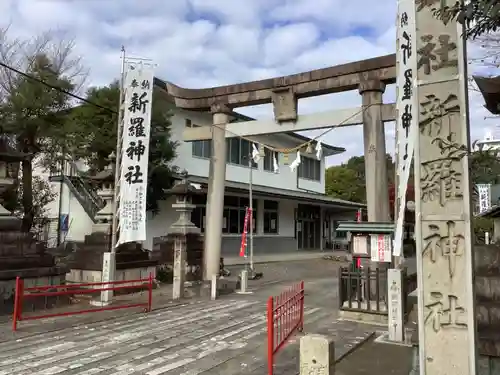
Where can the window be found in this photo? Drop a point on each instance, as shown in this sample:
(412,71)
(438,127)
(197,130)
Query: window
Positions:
(202,149)
(238,151)
(199,213)
(269,159)
(234,214)
(198,217)
(271,217)
(310,169)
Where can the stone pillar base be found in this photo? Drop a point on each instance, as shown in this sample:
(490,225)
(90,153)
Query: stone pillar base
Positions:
(31,277)
(366,316)
(95,276)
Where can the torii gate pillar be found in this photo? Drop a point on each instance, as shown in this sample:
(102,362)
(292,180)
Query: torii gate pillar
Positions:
(377,188)
(215,194)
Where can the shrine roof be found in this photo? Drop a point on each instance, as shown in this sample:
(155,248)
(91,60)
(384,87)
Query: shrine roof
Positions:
(106,174)
(492,213)
(13,156)
(259,190)
(366,227)
(10,154)
(490,89)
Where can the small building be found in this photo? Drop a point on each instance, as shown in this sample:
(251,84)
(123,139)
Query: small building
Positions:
(292,211)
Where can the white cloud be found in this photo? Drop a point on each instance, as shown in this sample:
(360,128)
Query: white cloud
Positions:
(204,43)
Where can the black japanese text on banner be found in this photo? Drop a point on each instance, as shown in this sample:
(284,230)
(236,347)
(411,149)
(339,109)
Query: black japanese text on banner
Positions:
(406,106)
(138,89)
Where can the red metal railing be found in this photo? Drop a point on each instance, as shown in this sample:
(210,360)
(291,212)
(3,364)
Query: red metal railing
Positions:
(23,293)
(285,315)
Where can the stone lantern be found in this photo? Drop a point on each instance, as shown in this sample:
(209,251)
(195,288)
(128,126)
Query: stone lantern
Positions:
(183,193)
(184,239)
(21,254)
(105,181)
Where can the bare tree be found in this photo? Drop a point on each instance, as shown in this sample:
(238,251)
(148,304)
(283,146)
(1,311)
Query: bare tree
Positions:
(20,54)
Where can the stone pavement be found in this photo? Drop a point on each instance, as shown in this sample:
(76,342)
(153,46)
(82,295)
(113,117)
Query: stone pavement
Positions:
(222,337)
(374,358)
(283,257)
(227,336)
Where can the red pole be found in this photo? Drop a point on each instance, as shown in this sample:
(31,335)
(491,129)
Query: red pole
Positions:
(16,304)
(150,292)
(270,335)
(21,296)
(302,292)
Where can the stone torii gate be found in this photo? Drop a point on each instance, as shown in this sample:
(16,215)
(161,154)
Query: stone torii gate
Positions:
(369,76)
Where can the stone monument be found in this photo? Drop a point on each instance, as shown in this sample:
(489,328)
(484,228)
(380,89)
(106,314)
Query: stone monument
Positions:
(132,262)
(20,253)
(445,265)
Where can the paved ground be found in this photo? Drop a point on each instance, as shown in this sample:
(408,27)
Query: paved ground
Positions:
(288,256)
(373,358)
(227,336)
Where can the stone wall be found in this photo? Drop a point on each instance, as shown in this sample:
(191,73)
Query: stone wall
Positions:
(8,287)
(487,287)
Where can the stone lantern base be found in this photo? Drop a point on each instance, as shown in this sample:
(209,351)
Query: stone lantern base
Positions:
(163,252)
(132,262)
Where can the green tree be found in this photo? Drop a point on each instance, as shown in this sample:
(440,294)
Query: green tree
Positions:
(348,180)
(484,167)
(97,125)
(33,114)
(344,183)
(479,16)
(32,111)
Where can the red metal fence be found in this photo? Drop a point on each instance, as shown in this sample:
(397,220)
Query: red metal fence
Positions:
(23,293)
(285,315)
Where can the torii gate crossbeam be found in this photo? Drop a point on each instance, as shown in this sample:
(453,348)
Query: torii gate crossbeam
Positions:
(321,120)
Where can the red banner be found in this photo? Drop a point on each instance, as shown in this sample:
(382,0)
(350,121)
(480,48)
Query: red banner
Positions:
(248,218)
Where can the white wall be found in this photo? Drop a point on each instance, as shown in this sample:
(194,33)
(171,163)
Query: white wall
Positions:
(197,166)
(80,224)
(159,225)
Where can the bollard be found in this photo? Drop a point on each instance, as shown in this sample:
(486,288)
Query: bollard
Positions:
(244,283)
(213,291)
(317,355)
(486,238)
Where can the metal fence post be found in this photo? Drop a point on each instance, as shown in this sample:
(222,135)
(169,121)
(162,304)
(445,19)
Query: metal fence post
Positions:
(270,335)
(302,295)
(150,292)
(16,303)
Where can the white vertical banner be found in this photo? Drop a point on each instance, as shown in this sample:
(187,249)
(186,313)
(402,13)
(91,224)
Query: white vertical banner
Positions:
(406,108)
(484,192)
(138,87)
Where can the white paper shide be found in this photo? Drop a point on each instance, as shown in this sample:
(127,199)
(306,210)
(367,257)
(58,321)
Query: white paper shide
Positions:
(138,88)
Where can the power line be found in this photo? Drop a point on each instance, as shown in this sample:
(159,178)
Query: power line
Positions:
(55,87)
(221,126)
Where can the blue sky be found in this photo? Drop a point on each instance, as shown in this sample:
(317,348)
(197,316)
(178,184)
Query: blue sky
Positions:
(204,43)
